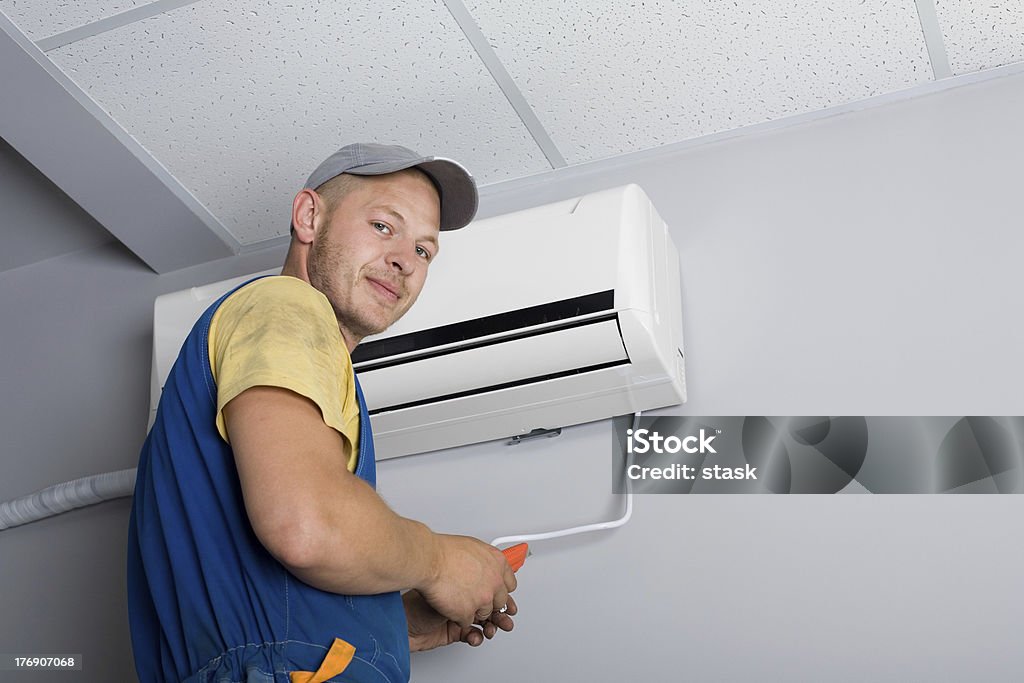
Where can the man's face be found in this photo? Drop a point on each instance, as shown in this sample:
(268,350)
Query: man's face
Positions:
(370,257)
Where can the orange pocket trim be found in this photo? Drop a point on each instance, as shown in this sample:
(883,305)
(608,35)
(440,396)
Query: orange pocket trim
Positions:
(337,660)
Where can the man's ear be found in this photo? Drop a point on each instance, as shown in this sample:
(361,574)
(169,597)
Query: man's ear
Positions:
(305,206)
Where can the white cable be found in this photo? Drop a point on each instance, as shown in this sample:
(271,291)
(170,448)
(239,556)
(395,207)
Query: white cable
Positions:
(572,531)
(70,495)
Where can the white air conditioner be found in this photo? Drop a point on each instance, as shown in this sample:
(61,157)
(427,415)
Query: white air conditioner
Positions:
(539,319)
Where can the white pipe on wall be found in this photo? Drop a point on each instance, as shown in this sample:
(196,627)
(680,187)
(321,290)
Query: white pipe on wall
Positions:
(70,495)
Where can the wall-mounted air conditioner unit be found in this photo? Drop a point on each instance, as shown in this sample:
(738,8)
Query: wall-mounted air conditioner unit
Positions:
(539,319)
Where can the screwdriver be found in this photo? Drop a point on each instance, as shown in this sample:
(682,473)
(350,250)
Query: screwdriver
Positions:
(516,555)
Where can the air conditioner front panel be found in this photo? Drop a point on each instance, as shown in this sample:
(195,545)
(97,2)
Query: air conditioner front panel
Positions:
(498,364)
(507,412)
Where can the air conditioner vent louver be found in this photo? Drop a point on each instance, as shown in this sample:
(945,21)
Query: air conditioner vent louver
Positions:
(482,331)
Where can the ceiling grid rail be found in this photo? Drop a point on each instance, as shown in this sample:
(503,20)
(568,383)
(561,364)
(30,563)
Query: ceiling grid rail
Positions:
(933,39)
(116,21)
(504,80)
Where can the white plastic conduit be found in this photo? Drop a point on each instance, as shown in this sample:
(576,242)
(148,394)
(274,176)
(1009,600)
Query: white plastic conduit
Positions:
(572,531)
(70,495)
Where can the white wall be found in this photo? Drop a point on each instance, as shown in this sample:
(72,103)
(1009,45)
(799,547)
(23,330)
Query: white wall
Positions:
(864,264)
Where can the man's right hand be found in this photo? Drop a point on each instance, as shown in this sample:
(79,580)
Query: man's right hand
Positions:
(331,529)
(471,581)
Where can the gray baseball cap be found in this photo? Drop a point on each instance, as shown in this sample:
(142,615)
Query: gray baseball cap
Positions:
(454,184)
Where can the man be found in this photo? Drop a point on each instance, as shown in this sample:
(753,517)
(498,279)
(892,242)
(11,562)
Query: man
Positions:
(258,549)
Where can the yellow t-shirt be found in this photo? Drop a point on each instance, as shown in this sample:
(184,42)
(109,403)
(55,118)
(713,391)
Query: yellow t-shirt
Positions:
(280,331)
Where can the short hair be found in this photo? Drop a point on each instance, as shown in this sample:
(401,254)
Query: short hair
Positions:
(334,190)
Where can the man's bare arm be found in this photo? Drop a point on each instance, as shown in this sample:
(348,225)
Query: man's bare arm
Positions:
(331,529)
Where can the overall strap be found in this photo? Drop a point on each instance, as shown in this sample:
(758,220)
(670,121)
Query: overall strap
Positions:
(366,468)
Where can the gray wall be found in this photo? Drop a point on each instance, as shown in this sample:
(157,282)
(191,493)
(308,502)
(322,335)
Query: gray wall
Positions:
(74,371)
(863,264)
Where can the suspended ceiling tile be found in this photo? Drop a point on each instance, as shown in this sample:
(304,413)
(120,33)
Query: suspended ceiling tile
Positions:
(981,34)
(613,77)
(42,18)
(240,103)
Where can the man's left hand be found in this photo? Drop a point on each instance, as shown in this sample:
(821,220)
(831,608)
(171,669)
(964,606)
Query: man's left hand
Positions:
(429,629)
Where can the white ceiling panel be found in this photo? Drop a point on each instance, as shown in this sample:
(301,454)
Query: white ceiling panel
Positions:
(981,34)
(241,101)
(41,18)
(611,77)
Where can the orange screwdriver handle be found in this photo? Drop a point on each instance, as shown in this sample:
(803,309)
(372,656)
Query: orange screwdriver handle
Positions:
(516,555)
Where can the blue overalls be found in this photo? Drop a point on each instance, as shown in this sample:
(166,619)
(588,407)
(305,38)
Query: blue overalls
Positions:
(207,603)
